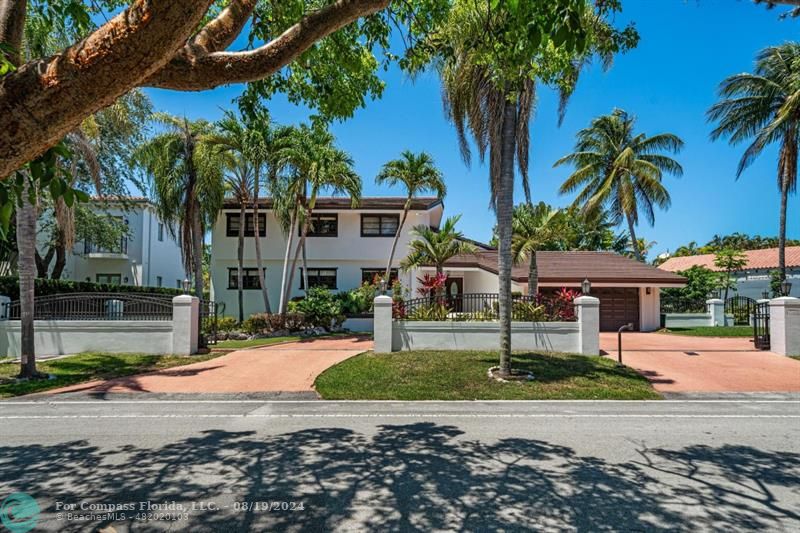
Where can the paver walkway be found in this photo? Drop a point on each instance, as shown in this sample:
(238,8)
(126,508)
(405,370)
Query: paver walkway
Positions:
(676,363)
(289,367)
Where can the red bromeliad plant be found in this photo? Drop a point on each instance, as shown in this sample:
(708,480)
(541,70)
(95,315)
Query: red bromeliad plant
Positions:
(430,285)
(562,304)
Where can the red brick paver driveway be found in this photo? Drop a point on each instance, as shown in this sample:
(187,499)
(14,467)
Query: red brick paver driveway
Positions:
(675,363)
(289,367)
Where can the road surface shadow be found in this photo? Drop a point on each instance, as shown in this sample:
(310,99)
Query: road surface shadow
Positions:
(412,477)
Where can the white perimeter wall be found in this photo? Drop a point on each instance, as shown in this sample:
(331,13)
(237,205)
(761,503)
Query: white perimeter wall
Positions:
(547,336)
(68,337)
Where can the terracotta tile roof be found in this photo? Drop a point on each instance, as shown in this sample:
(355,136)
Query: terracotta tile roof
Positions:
(756,259)
(367,203)
(574,267)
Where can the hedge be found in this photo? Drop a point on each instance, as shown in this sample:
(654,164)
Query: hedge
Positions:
(9,286)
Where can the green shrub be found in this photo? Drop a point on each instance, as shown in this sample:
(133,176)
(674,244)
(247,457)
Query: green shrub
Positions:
(320,308)
(265,323)
(227,323)
(433,312)
(529,312)
(357,301)
(9,286)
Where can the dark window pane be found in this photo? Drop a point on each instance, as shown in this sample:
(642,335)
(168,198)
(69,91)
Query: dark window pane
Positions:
(379,225)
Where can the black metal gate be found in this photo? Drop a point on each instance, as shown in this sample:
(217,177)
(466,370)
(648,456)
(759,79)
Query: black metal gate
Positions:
(209,316)
(761,326)
(742,308)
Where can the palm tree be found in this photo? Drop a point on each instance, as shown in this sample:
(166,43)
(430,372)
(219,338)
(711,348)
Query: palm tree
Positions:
(252,139)
(432,247)
(315,164)
(26,264)
(186,170)
(622,171)
(418,173)
(765,107)
(534,226)
(239,186)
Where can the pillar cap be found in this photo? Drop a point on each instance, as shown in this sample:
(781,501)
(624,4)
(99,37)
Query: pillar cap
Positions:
(715,301)
(586,300)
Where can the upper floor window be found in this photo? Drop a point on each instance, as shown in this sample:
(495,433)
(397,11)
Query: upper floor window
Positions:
(319,277)
(323,225)
(379,225)
(232,225)
(109,279)
(249,278)
(160,231)
(371,275)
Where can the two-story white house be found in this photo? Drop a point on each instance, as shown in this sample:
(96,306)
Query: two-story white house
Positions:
(148,256)
(345,247)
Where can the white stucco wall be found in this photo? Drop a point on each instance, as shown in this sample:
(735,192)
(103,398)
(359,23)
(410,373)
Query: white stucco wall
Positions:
(547,336)
(349,252)
(77,336)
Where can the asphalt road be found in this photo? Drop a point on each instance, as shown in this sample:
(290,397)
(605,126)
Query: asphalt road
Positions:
(385,466)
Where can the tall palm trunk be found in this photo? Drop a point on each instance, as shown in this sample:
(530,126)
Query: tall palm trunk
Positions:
(637,253)
(533,275)
(284,276)
(240,258)
(262,282)
(197,248)
(388,275)
(26,262)
(782,230)
(297,253)
(504,207)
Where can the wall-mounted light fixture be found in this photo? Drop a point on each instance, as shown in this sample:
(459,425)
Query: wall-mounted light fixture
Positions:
(186,286)
(648,291)
(786,288)
(586,286)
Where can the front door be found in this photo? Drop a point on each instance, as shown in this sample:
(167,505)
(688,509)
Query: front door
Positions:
(454,289)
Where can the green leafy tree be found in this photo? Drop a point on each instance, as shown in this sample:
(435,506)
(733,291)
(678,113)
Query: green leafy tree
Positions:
(491,55)
(701,283)
(186,170)
(763,108)
(432,247)
(419,175)
(534,228)
(729,261)
(621,170)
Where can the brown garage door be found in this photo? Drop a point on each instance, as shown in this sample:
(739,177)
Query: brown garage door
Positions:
(618,306)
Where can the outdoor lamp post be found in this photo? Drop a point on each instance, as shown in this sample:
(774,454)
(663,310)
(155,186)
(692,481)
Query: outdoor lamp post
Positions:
(383,287)
(765,295)
(586,287)
(186,286)
(786,288)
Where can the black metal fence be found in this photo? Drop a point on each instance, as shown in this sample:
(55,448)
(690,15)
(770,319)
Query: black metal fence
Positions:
(96,306)
(484,307)
(742,308)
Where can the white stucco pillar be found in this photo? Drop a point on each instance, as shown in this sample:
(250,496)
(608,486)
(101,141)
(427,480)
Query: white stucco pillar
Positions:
(716,309)
(185,321)
(587,309)
(4,307)
(784,326)
(383,324)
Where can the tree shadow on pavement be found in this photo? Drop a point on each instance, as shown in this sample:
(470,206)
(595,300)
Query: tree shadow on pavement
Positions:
(412,477)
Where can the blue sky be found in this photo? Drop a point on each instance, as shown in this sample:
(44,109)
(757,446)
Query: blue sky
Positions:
(687,47)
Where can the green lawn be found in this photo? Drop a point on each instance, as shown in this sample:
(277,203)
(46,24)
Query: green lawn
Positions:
(795,357)
(88,367)
(709,331)
(252,343)
(426,375)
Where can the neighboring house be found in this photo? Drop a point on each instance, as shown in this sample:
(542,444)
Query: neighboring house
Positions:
(754,279)
(345,247)
(148,256)
(628,290)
